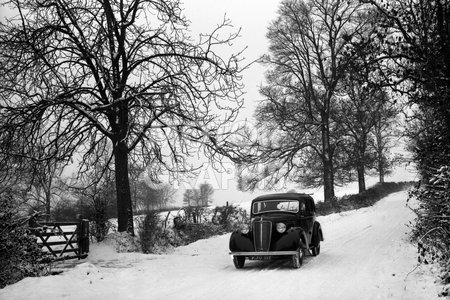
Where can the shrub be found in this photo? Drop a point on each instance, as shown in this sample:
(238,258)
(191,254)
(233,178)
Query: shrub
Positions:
(149,231)
(194,232)
(432,228)
(192,214)
(153,237)
(20,255)
(156,238)
(364,199)
(98,230)
(229,217)
(122,242)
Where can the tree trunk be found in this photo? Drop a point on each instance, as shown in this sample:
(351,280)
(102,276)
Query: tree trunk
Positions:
(48,197)
(124,203)
(361,168)
(380,169)
(380,157)
(361,180)
(328,172)
(47,186)
(379,149)
(328,181)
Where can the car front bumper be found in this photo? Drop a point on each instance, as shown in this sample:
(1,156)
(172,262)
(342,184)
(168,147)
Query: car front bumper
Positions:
(263,253)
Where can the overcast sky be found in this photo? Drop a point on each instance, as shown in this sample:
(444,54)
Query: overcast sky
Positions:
(253,17)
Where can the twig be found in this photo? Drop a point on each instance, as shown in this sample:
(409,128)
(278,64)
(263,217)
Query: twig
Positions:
(406,277)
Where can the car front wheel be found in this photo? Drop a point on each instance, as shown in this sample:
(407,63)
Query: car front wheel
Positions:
(297,259)
(239,261)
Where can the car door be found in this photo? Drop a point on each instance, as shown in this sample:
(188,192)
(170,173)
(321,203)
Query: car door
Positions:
(309,216)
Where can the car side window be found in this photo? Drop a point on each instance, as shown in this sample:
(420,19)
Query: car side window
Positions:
(309,207)
(302,207)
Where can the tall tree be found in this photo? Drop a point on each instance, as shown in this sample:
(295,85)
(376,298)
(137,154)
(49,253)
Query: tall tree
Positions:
(44,186)
(309,43)
(145,197)
(125,72)
(384,134)
(355,114)
(363,104)
(362,111)
(166,193)
(206,190)
(33,169)
(190,197)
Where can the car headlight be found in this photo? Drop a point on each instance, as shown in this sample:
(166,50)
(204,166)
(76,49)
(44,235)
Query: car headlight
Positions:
(281,227)
(244,229)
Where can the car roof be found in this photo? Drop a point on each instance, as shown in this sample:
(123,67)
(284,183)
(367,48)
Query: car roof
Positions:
(294,196)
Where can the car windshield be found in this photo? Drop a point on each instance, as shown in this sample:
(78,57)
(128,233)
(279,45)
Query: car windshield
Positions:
(279,205)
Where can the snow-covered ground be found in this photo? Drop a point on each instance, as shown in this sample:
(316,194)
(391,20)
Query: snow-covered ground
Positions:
(365,255)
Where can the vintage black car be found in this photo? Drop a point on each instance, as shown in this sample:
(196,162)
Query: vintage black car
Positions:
(282,226)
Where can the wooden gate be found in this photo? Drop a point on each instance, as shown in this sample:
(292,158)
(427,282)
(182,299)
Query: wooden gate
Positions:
(63,240)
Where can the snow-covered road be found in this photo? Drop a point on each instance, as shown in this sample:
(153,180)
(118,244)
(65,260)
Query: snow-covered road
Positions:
(365,255)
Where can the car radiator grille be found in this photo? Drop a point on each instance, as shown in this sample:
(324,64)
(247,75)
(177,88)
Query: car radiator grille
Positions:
(262,233)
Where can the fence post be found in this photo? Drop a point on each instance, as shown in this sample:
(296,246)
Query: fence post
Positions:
(83,236)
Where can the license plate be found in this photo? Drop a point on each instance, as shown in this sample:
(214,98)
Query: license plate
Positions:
(265,257)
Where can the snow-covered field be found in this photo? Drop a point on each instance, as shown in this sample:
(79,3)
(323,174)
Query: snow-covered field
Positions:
(365,255)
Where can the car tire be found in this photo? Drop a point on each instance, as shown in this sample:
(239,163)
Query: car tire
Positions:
(315,250)
(297,259)
(239,261)
(315,242)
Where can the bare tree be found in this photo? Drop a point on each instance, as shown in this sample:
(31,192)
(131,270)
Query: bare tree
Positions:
(360,111)
(166,193)
(33,170)
(206,191)
(384,136)
(44,186)
(309,46)
(123,73)
(146,198)
(364,107)
(190,197)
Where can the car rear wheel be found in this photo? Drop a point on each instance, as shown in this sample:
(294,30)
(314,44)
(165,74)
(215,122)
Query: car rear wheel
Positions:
(315,243)
(239,261)
(297,259)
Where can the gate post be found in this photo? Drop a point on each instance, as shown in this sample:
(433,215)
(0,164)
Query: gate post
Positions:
(83,237)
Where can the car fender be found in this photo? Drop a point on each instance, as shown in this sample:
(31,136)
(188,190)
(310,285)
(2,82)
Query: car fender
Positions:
(303,238)
(291,240)
(240,242)
(317,235)
(318,230)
